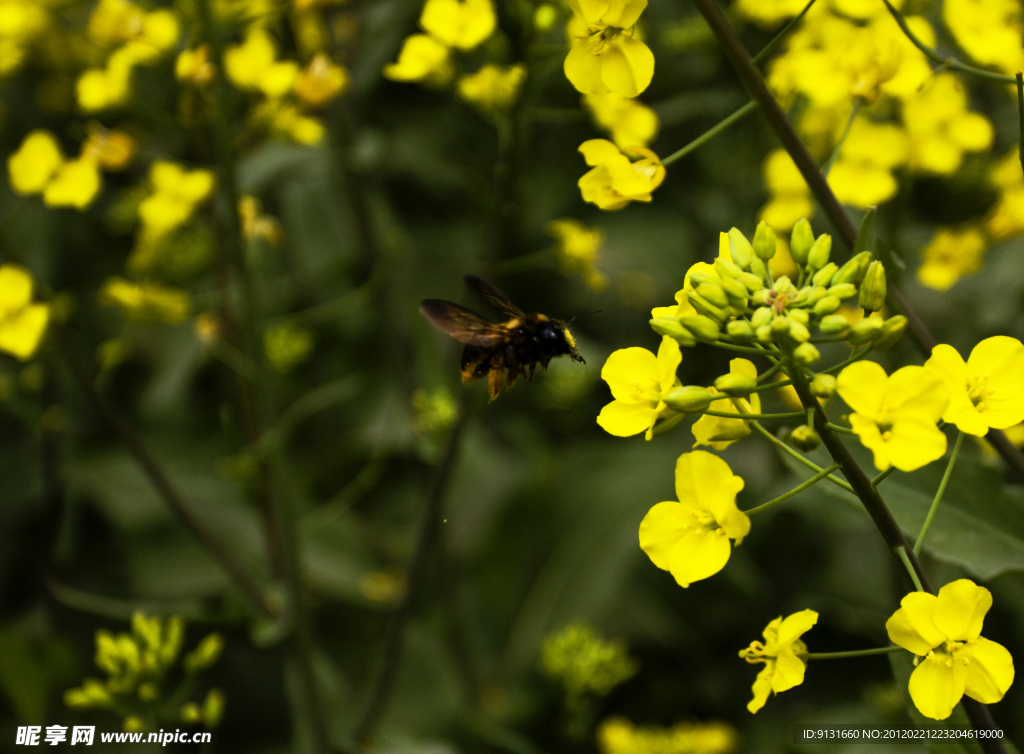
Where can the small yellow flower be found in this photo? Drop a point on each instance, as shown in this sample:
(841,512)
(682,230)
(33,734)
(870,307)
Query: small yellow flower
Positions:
(614,181)
(617,735)
(75,184)
(256,224)
(22,323)
(720,432)
(176,192)
(987,30)
(493,87)
(639,382)
(606,56)
(986,391)
(253,65)
(690,539)
(630,122)
(320,81)
(896,415)
(459,23)
(577,248)
(952,254)
(112,149)
(194,67)
(422,58)
(287,120)
(940,127)
(146,302)
(790,194)
(33,165)
(784,656)
(862,176)
(953,658)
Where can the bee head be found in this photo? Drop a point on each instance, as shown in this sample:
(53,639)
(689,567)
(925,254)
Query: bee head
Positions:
(558,335)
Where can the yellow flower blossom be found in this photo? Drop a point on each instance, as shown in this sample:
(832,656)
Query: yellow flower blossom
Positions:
(253,65)
(146,302)
(112,149)
(951,254)
(607,56)
(194,66)
(22,323)
(32,166)
(614,181)
(784,656)
(690,539)
(176,193)
(630,122)
(459,23)
(940,127)
(585,663)
(791,196)
(258,225)
(770,14)
(287,120)
(75,184)
(616,735)
(422,58)
(953,658)
(896,415)
(986,391)
(987,30)
(101,88)
(577,247)
(862,176)
(639,382)
(493,87)
(320,81)
(1006,218)
(21,23)
(720,432)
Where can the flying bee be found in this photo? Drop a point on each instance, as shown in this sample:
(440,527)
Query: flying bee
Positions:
(518,345)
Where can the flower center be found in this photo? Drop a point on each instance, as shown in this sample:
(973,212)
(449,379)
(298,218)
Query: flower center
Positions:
(756,653)
(978,390)
(647,391)
(704,520)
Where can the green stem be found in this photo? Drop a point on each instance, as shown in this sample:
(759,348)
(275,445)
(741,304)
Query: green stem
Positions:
(938,494)
(740,349)
(878,479)
(777,39)
(854,653)
(846,132)
(795,491)
(838,428)
(771,386)
(854,356)
(759,417)
(711,133)
(771,371)
(901,553)
(666,424)
(800,458)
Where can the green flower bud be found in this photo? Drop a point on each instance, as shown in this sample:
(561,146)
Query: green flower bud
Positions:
(703,328)
(714,294)
(780,327)
(752,282)
(865,330)
(758,268)
(91,694)
(705,307)
(190,713)
(740,331)
(872,290)
(727,269)
(823,386)
(734,289)
(784,285)
(809,296)
(798,331)
(690,399)
(740,248)
(736,385)
(671,327)
(764,334)
(764,241)
(696,278)
(761,297)
(806,354)
(826,305)
(824,275)
(854,270)
(801,241)
(843,290)
(133,724)
(798,315)
(213,708)
(892,331)
(804,438)
(833,324)
(818,256)
(148,691)
(762,316)
(204,655)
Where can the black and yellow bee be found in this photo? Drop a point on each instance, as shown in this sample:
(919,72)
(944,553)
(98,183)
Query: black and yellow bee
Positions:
(517,345)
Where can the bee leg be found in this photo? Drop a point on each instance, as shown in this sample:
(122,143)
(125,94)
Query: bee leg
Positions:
(533,368)
(512,363)
(495,378)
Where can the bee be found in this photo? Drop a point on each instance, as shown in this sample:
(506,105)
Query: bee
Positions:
(516,346)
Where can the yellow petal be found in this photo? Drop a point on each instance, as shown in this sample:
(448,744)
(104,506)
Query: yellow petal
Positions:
(919,391)
(599,151)
(861,385)
(796,625)
(789,670)
(871,438)
(36,160)
(961,608)
(698,477)
(936,687)
(20,334)
(627,66)
(762,688)
(662,528)
(626,419)
(75,184)
(989,673)
(669,358)
(583,68)
(914,443)
(632,375)
(912,626)
(698,554)
(15,288)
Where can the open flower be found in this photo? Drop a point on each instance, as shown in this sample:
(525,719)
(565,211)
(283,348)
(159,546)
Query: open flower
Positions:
(459,23)
(615,181)
(690,539)
(896,415)
(22,323)
(987,390)
(607,57)
(953,658)
(254,65)
(629,121)
(719,432)
(422,58)
(784,656)
(493,88)
(577,248)
(639,382)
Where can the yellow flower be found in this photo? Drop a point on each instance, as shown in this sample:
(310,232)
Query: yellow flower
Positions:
(784,656)
(253,65)
(101,88)
(616,735)
(606,56)
(615,181)
(639,382)
(768,14)
(585,663)
(288,121)
(493,87)
(862,176)
(629,121)
(791,197)
(176,192)
(258,225)
(953,658)
(320,81)
(950,255)
(719,432)
(145,302)
(22,323)
(940,127)
(896,415)
(986,391)
(690,539)
(112,149)
(194,67)
(1007,217)
(35,162)
(987,30)
(422,58)
(459,23)
(75,184)
(577,248)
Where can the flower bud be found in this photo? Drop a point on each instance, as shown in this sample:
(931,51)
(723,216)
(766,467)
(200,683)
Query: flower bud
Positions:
(798,315)
(690,399)
(762,316)
(833,324)
(671,327)
(864,331)
(740,248)
(204,655)
(761,297)
(801,241)
(826,306)
(784,285)
(843,290)
(703,328)
(818,256)
(734,289)
(798,331)
(806,354)
(705,307)
(892,331)
(823,386)
(714,294)
(752,282)
(804,438)
(872,290)
(736,385)
(758,268)
(780,327)
(740,331)
(824,275)
(764,241)
(764,334)
(809,296)
(853,271)
(697,277)
(727,269)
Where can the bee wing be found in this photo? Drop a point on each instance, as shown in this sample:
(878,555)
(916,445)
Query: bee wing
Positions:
(493,296)
(462,324)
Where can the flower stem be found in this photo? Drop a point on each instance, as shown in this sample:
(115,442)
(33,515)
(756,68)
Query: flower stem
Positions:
(761,417)
(805,461)
(853,653)
(771,371)
(938,494)
(741,349)
(901,553)
(838,428)
(711,133)
(777,39)
(882,476)
(795,491)
(839,145)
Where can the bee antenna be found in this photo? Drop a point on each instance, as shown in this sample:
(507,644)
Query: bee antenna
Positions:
(596,311)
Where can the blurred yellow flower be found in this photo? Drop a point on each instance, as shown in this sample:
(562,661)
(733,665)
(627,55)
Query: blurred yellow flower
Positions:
(690,539)
(951,254)
(459,23)
(614,181)
(433,410)
(22,323)
(256,224)
(194,67)
(940,127)
(606,56)
(21,23)
(639,382)
(146,302)
(493,87)
(987,30)
(176,193)
(790,194)
(576,248)
(862,175)
(630,122)
(75,184)
(585,663)
(288,120)
(720,432)
(320,81)
(101,88)
(112,149)
(1006,218)
(253,65)
(287,345)
(616,735)
(770,14)
(33,164)
(784,656)
(422,58)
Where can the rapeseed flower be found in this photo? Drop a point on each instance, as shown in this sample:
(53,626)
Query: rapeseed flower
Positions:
(585,663)
(989,31)
(768,15)
(629,121)
(112,149)
(952,657)
(33,164)
(493,88)
(784,656)
(1006,218)
(862,176)
(690,539)
(617,735)
(288,120)
(606,55)
(75,184)
(951,254)
(639,382)
(176,193)
(720,432)
(459,23)
(985,392)
(422,58)
(940,127)
(253,65)
(22,323)
(577,247)
(21,23)
(895,416)
(320,81)
(146,302)
(614,181)
(194,67)
(790,194)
